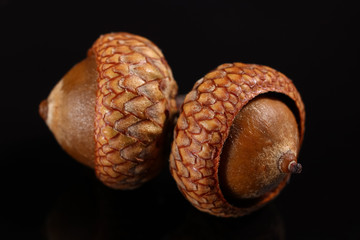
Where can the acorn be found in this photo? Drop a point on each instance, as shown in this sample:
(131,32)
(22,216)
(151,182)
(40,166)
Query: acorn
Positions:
(112,110)
(237,139)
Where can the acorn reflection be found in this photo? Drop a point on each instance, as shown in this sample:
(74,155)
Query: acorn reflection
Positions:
(154,211)
(263,224)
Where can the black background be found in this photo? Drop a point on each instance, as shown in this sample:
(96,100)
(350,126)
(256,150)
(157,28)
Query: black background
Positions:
(47,195)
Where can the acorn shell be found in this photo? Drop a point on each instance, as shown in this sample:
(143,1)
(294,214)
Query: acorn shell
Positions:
(204,124)
(135,103)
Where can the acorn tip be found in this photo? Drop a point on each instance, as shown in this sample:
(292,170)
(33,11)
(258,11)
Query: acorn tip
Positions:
(288,163)
(43,109)
(295,167)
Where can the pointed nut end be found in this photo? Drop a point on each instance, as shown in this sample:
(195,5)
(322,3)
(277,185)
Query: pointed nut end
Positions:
(43,109)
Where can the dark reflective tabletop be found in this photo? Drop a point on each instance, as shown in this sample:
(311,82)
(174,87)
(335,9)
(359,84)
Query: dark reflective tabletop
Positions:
(57,198)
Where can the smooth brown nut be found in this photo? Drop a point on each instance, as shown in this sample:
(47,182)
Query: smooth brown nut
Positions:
(112,110)
(232,152)
(263,140)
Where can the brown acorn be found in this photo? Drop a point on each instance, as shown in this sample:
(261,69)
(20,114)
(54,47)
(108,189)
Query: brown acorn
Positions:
(237,139)
(111,111)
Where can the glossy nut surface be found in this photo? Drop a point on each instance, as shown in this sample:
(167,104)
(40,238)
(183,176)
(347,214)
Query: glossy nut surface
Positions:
(204,124)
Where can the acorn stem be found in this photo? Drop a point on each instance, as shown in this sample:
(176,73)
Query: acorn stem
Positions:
(295,167)
(180,100)
(288,163)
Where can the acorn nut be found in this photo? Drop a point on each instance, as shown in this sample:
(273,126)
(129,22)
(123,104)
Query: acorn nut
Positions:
(112,110)
(237,139)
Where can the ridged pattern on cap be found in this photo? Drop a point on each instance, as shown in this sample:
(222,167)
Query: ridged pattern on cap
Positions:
(203,126)
(135,100)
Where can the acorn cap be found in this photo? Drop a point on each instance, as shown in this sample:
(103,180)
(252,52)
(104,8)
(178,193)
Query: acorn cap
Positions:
(134,100)
(131,104)
(203,127)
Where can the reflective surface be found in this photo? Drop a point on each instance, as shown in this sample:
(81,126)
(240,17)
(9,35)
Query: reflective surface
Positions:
(154,212)
(57,198)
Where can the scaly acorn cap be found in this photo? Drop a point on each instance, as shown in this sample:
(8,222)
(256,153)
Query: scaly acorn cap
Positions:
(122,106)
(204,124)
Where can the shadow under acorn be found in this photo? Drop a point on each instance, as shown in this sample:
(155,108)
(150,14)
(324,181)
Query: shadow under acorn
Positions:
(155,211)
